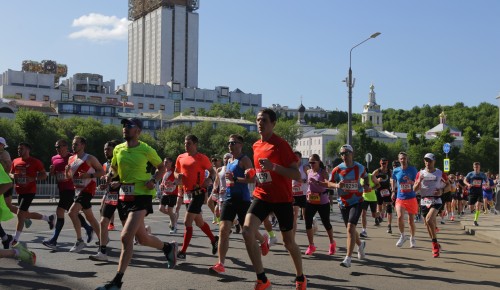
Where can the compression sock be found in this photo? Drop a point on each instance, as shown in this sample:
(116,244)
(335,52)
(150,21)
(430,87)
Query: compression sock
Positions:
(58,228)
(262,277)
(206,229)
(476,215)
(84,223)
(188,234)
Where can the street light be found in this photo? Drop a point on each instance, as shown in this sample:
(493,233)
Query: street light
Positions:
(350,84)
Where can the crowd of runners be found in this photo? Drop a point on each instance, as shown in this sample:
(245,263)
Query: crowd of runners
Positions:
(285,190)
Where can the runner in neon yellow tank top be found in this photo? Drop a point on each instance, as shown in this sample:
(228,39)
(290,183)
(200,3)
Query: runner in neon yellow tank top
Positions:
(370,200)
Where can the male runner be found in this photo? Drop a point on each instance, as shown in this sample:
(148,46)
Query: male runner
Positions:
(276,167)
(66,192)
(83,169)
(239,173)
(431,182)
(383,175)
(109,205)
(190,169)
(130,160)
(213,201)
(474,182)
(346,178)
(26,170)
(403,178)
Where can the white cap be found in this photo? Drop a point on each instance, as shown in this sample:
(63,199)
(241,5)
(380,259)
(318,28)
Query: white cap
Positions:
(430,156)
(2,140)
(347,147)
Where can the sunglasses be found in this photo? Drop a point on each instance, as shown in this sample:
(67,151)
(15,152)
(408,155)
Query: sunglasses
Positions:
(232,143)
(312,162)
(129,126)
(345,153)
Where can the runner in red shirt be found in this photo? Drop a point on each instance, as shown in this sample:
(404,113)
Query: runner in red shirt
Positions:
(276,165)
(26,170)
(190,169)
(83,168)
(66,191)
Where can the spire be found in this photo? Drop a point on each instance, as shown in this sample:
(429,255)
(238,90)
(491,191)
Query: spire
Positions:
(371,98)
(442,118)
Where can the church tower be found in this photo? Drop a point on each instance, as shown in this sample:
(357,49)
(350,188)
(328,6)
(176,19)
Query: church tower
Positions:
(371,111)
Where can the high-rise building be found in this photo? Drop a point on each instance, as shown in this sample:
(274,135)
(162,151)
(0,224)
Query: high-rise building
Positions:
(163,42)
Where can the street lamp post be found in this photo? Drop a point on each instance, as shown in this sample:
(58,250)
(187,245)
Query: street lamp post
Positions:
(350,84)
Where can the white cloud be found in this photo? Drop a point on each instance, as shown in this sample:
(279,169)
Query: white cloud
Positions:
(98,27)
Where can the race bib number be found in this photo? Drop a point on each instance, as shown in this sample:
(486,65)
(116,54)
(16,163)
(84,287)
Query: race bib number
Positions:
(188,197)
(21,180)
(169,189)
(111,198)
(314,198)
(477,183)
(427,202)
(264,177)
(60,176)
(127,189)
(297,190)
(351,186)
(385,192)
(78,182)
(405,187)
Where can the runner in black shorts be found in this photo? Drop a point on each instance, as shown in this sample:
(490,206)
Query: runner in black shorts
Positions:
(383,175)
(474,182)
(66,192)
(137,189)
(168,193)
(110,204)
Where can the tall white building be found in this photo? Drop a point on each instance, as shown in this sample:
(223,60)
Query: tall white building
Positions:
(371,111)
(163,42)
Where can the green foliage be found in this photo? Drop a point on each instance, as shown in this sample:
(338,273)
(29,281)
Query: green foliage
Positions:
(288,130)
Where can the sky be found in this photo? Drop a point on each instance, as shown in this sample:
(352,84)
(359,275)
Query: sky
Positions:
(429,52)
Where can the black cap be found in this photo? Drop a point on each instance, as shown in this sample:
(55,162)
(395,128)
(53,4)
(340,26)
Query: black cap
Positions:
(133,121)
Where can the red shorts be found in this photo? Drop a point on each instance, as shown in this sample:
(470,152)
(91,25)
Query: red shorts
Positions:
(410,205)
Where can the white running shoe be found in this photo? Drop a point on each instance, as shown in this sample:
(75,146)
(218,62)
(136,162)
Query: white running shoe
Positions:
(99,257)
(346,263)
(273,241)
(361,250)
(401,241)
(413,242)
(79,245)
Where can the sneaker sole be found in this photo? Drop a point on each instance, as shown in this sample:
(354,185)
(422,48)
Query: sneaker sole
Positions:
(214,272)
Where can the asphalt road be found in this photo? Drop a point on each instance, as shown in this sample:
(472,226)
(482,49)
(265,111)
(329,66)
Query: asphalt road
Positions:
(466,262)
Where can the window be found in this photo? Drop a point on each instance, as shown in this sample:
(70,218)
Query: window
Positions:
(177,106)
(33,97)
(162,107)
(151,106)
(46,98)
(140,106)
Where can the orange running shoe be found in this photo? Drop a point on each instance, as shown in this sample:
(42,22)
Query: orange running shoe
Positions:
(259,285)
(301,285)
(264,247)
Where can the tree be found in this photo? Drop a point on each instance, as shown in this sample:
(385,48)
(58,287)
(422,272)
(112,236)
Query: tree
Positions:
(288,130)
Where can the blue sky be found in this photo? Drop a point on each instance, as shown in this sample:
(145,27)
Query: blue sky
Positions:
(430,52)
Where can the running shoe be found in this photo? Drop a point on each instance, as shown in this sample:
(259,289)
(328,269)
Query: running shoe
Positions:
(79,245)
(173,231)
(389,229)
(377,221)
(181,256)
(310,250)
(215,245)
(24,254)
(332,249)
(111,227)
(99,257)
(476,224)
(442,222)
(27,223)
(452,218)
(50,244)
(301,285)
(6,243)
(264,247)
(217,269)
(346,263)
(172,255)
(413,242)
(401,241)
(361,250)
(273,241)
(435,249)
(90,234)
(259,285)
(363,234)
(238,228)
(51,221)
(110,286)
